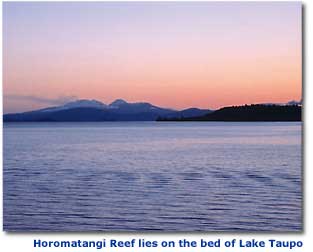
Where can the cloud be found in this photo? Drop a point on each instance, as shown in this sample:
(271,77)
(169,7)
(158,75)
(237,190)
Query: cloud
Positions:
(61,100)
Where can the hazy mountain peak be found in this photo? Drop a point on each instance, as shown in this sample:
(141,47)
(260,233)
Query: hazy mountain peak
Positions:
(82,103)
(294,102)
(85,103)
(117,103)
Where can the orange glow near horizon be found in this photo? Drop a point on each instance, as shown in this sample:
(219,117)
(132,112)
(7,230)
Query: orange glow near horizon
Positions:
(242,54)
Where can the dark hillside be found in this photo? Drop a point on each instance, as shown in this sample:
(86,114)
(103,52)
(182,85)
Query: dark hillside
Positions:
(248,113)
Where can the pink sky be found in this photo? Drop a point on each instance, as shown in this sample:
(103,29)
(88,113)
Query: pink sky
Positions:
(176,55)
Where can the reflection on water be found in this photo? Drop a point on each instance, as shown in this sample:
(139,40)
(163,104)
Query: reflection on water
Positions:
(152,176)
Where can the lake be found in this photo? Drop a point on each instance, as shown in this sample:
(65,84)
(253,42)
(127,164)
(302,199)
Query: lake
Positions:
(152,176)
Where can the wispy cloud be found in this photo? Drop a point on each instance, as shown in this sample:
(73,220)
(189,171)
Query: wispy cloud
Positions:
(42,100)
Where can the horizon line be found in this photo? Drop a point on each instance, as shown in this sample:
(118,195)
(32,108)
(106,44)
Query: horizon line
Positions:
(63,100)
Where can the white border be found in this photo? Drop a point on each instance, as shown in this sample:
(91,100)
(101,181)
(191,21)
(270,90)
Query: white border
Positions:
(24,242)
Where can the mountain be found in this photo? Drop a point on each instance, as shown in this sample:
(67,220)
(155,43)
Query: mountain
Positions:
(118,103)
(258,112)
(293,102)
(92,110)
(77,104)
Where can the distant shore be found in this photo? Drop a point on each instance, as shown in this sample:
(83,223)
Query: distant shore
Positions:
(147,112)
(248,113)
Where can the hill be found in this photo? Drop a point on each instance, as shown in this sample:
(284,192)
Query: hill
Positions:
(252,113)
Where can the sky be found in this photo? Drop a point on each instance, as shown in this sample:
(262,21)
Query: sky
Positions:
(174,54)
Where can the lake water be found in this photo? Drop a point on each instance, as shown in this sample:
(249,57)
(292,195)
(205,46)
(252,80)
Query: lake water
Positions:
(146,176)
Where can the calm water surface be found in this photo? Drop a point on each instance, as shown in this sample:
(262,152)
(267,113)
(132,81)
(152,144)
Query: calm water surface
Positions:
(192,176)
